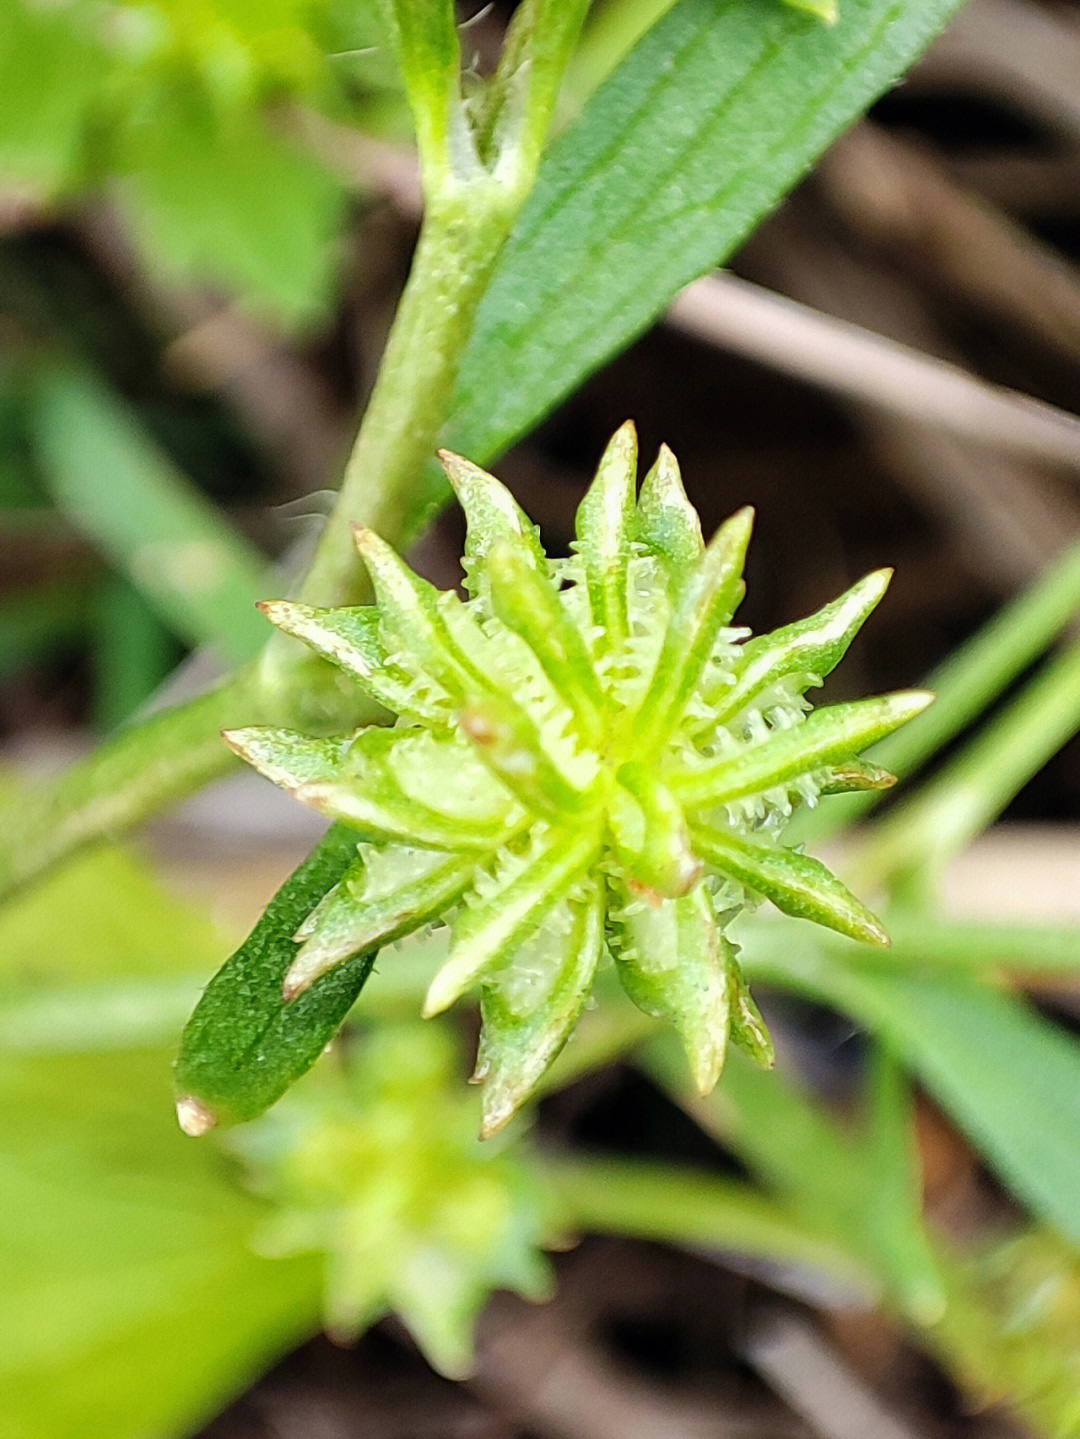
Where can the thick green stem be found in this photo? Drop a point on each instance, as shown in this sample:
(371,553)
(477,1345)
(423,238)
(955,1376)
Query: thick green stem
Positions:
(141,770)
(459,244)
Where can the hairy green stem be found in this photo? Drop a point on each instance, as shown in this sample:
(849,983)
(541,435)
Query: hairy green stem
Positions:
(141,770)
(470,211)
(459,243)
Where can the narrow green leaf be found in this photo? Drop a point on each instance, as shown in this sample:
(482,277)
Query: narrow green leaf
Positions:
(173,545)
(244,1044)
(715,113)
(708,599)
(488,932)
(1009,1077)
(516,1050)
(604,527)
(674,1204)
(350,639)
(527,603)
(385,896)
(666,520)
(809,649)
(826,737)
(896,1218)
(975,786)
(674,963)
(797,884)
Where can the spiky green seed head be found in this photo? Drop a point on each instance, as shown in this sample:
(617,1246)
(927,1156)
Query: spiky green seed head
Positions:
(374,1165)
(589,762)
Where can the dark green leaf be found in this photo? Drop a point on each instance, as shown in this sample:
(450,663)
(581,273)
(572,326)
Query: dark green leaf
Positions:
(244,1045)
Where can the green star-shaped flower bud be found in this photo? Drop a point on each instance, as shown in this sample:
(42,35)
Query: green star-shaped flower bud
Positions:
(375,1164)
(588,760)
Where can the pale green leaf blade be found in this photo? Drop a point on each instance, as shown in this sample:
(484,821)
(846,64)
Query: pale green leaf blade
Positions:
(125,1248)
(797,884)
(215,194)
(604,528)
(807,650)
(517,1049)
(487,932)
(826,737)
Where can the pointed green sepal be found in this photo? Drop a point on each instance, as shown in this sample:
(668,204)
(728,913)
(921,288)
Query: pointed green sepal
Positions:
(517,1049)
(703,606)
(667,523)
(806,651)
(826,737)
(377,784)
(527,603)
(383,897)
(413,620)
(289,759)
(855,775)
(510,744)
(748,1030)
(604,526)
(492,515)
(673,962)
(796,883)
(487,933)
(648,832)
(349,638)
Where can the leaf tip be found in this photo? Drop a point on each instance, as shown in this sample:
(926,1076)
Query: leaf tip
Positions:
(194,1117)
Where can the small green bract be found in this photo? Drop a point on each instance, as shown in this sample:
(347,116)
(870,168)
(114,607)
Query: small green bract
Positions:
(587,761)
